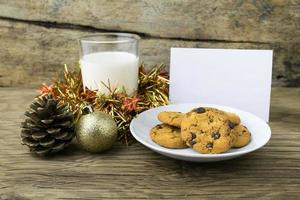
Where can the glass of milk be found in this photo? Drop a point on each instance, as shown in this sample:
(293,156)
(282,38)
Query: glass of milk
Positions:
(110,59)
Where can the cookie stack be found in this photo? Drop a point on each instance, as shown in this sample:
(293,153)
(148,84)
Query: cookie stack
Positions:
(206,130)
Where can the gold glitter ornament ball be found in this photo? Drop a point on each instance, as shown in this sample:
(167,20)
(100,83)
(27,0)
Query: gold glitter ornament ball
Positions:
(96,131)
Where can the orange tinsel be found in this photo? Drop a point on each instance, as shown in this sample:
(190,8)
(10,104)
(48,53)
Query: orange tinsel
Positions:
(45,89)
(130,104)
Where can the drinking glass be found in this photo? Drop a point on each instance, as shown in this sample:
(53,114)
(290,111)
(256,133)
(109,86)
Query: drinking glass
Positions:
(110,60)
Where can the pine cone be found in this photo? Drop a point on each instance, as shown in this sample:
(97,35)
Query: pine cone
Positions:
(48,127)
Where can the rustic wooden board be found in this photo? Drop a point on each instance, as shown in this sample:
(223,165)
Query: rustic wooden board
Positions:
(235,20)
(272,172)
(38,37)
(32,54)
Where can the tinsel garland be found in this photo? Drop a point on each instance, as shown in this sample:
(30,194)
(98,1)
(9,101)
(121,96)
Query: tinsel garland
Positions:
(153,91)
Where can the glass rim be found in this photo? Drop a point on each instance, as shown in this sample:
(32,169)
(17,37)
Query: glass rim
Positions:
(128,37)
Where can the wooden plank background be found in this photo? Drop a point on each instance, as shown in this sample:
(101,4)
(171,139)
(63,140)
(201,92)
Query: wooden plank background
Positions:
(38,36)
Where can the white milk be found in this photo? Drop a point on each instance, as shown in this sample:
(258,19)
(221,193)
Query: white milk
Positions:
(120,68)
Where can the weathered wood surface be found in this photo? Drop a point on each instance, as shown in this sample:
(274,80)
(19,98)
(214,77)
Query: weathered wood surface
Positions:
(33,54)
(38,37)
(235,20)
(272,172)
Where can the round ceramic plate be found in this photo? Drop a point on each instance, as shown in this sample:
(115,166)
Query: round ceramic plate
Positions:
(141,125)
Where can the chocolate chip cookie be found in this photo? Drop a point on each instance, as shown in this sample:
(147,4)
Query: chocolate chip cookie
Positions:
(175,118)
(167,136)
(216,141)
(234,118)
(243,136)
(171,118)
(207,130)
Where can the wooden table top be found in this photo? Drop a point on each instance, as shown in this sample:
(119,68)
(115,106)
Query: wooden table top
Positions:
(272,172)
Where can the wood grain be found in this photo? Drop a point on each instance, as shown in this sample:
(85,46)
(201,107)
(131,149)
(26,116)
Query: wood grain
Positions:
(32,54)
(272,172)
(38,37)
(235,20)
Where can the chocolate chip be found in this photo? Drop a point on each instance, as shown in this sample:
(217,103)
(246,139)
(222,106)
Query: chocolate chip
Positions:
(200,110)
(231,124)
(159,127)
(210,145)
(192,142)
(216,135)
(193,136)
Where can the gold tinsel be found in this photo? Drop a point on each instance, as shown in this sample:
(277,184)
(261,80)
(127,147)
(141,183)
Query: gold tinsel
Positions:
(69,90)
(152,91)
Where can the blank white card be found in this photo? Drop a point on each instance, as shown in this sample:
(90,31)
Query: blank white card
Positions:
(231,77)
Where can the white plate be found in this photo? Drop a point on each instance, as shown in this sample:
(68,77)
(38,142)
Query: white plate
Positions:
(141,125)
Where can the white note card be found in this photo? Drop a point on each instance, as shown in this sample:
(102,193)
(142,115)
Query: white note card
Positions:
(232,77)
